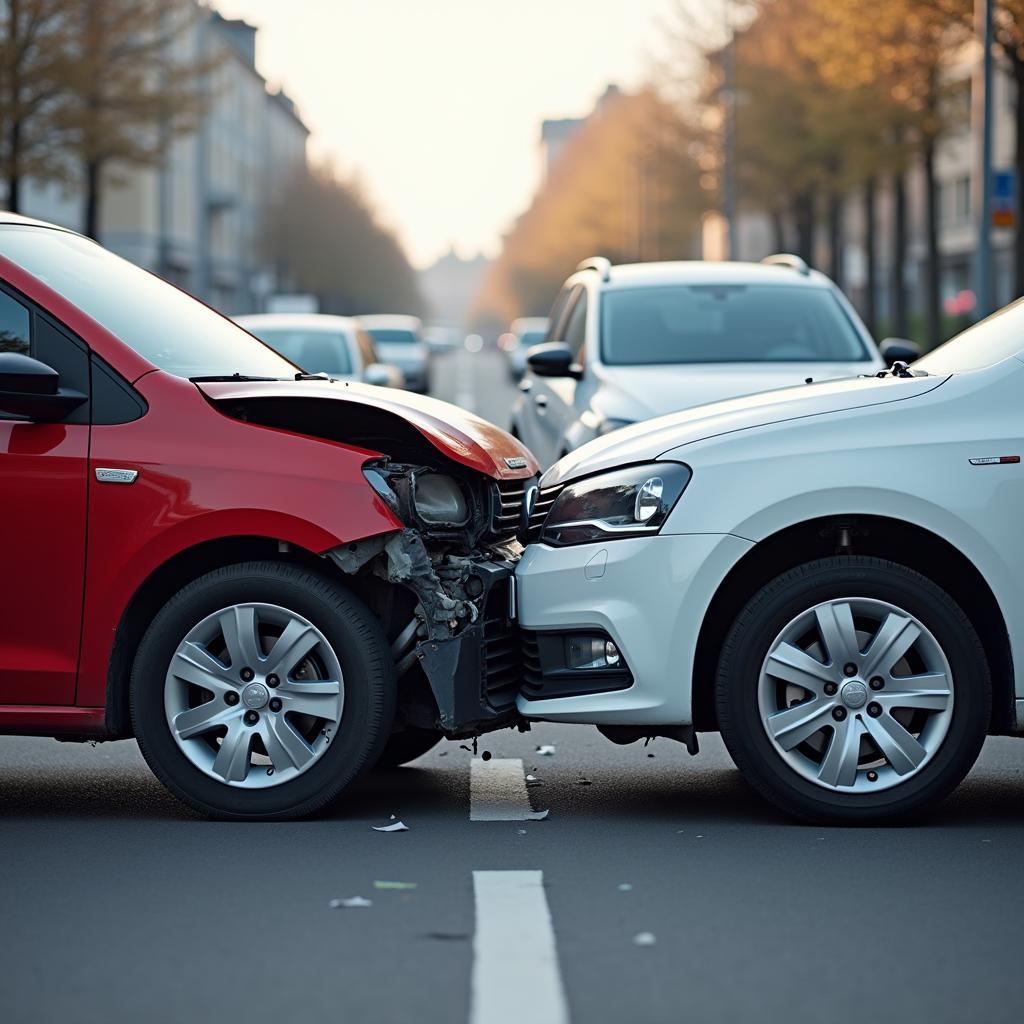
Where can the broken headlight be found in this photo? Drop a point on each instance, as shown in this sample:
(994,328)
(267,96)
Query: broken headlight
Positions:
(439,500)
(631,502)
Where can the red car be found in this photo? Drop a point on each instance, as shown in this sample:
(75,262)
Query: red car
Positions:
(272,580)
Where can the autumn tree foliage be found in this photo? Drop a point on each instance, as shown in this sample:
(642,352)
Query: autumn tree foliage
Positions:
(323,238)
(626,186)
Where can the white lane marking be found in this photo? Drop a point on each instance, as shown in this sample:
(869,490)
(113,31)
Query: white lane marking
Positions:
(497,791)
(515,963)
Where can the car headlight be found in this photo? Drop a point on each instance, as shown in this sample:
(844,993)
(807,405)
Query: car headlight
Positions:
(439,500)
(631,502)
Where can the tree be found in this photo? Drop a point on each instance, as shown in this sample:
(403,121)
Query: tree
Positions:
(1009,34)
(34,67)
(129,90)
(322,238)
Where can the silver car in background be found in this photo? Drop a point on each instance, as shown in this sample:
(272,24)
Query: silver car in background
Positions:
(319,343)
(399,340)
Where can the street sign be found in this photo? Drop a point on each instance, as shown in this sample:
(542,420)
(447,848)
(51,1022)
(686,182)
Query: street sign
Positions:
(1004,199)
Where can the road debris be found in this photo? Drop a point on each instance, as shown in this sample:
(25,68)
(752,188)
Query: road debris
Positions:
(486,755)
(351,901)
(448,936)
(398,826)
(625,887)
(546,750)
(583,782)
(395,885)
(644,939)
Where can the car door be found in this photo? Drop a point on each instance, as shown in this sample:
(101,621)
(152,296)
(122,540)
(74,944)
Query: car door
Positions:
(43,494)
(546,406)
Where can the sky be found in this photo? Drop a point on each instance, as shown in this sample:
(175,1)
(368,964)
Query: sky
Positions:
(436,105)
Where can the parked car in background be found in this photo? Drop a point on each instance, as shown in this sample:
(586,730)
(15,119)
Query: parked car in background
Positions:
(284,582)
(335,345)
(631,342)
(830,575)
(399,340)
(523,334)
(442,339)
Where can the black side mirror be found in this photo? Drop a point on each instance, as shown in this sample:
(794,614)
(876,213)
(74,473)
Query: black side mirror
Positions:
(553,359)
(32,389)
(899,350)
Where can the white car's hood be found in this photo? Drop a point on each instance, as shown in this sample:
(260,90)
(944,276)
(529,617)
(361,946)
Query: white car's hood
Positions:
(644,441)
(638,393)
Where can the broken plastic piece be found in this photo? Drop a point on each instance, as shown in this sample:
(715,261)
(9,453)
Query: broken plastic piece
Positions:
(546,750)
(625,887)
(486,755)
(394,885)
(583,782)
(351,901)
(536,815)
(644,939)
(398,826)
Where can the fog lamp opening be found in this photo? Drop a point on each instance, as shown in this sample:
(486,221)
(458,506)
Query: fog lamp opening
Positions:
(591,652)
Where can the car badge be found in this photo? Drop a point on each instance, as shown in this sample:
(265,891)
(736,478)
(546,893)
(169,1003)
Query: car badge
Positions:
(116,476)
(516,462)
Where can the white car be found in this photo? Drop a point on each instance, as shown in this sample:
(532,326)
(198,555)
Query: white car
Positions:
(319,343)
(628,343)
(523,334)
(832,575)
(399,340)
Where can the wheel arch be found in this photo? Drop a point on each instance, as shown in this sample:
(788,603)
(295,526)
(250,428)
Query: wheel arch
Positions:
(879,536)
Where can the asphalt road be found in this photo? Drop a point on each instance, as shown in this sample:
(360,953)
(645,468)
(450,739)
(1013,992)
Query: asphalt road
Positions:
(117,903)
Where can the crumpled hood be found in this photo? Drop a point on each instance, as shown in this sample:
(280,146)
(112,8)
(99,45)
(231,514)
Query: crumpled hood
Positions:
(461,436)
(650,440)
(643,392)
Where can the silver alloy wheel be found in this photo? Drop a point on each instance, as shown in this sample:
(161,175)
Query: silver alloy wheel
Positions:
(856,695)
(253,695)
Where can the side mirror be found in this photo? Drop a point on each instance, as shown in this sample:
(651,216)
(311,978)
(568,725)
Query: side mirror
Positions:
(381,375)
(553,359)
(899,350)
(32,389)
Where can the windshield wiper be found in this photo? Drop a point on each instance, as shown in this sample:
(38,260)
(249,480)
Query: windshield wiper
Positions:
(901,369)
(216,377)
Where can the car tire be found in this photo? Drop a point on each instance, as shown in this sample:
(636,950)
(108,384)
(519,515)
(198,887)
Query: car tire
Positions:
(403,747)
(929,732)
(343,725)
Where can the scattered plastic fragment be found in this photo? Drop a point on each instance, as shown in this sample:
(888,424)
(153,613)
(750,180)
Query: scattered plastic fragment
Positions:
(583,782)
(546,750)
(537,815)
(442,753)
(644,939)
(462,746)
(399,826)
(351,901)
(521,831)
(394,885)
(532,780)
(650,755)
(486,755)
(625,887)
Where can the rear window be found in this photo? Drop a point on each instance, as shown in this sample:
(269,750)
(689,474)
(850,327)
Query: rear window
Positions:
(392,336)
(727,324)
(314,351)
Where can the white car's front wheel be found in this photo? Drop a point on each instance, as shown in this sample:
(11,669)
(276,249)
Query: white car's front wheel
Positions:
(853,690)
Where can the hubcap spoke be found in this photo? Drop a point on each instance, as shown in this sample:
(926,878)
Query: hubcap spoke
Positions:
(285,747)
(322,700)
(895,637)
(839,765)
(193,663)
(241,635)
(195,721)
(794,725)
(294,644)
(899,748)
(835,624)
(232,760)
(928,692)
(788,663)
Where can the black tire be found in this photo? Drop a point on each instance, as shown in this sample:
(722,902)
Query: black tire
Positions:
(748,643)
(403,747)
(357,641)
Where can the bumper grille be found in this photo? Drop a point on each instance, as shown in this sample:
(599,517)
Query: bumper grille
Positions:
(502,653)
(507,507)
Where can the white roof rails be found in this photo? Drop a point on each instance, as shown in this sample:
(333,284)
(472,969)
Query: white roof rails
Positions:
(787,259)
(599,263)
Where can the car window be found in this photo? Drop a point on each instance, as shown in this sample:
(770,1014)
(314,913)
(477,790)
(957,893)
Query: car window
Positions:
(14,325)
(392,336)
(316,351)
(727,323)
(576,327)
(164,325)
(555,320)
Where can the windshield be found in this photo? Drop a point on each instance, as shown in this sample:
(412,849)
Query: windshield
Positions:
(994,339)
(164,325)
(392,336)
(314,351)
(727,324)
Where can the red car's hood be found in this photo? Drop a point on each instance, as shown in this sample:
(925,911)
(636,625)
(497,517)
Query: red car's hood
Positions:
(458,434)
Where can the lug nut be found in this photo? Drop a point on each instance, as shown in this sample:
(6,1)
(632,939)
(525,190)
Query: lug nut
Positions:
(251,718)
(275,704)
(839,714)
(849,669)
(231,697)
(874,710)
(273,681)
(872,776)
(831,689)
(877,683)
(246,674)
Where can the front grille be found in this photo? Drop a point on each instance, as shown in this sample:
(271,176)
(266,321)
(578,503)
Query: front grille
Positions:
(502,654)
(542,506)
(507,507)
